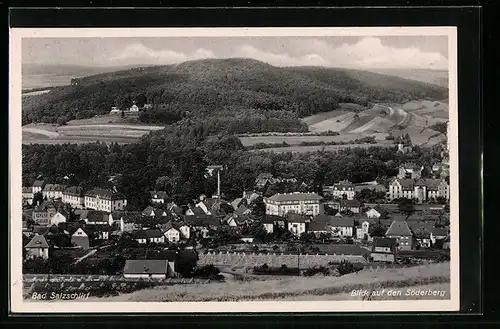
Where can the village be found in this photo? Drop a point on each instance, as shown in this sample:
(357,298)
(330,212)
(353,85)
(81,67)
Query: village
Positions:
(334,226)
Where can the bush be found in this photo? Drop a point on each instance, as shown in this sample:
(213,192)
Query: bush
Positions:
(347,267)
(316,270)
(206,271)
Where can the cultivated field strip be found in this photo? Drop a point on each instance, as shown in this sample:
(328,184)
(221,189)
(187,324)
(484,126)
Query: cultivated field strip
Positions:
(274,260)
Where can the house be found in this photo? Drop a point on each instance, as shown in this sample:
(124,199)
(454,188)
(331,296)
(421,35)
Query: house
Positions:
(104,200)
(202,223)
(128,221)
(250,196)
(147,106)
(74,196)
(301,203)
(421,230)
(53,191)
(438,233)
(318,228)
(171,232)
(268,224)
(43,213)
(421,189)
(153,212)
(363,230)
(115,110)
(376,212)
(134,108)
(373,186)
(342,226)
(96,217)
(195,211)
(263,180)
(384,249)
(247,239)
(60,217)
(38,186)
(410,170)
(154,235)
(238,202)
(158,196)
(28,196)
(37,247)
(241,211)
(101,232)
(297,223)
(209,205)
(342,189)
(149,269)
(81,238)
(400,230)
(354,206)
(140,236)
(238,221)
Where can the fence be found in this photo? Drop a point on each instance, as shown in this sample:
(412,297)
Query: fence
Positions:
(29,278)
(240,259)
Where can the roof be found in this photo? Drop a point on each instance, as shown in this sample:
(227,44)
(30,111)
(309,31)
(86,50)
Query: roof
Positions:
(158,194)
(129,216)
(236,202)
(197,210)
(240,211)
(96,216)
(341,222)
(54,188)
(322,218)
(264,176)
(38,183)
(274,218)
(398,228)
(145,266)
(351,203)
(201,220)
(38,241)
(440,231)
(27,189)
(296,218)
(74,190)
(384,242)
(153,233)
(295,196)
(410,165)
(317,226)
(406,184)
(431,184)
(211,203)
(105,194)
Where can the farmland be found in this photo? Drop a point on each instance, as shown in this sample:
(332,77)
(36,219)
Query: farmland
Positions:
(295,140)
(304,149)
(302,288)
(102,128)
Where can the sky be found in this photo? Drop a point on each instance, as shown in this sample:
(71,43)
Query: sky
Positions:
(371,52)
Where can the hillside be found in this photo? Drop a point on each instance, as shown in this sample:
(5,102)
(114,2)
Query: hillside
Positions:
(257,95)
(436,77)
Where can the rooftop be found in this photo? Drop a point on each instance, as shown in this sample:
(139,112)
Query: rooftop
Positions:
(398,228)
(295,196)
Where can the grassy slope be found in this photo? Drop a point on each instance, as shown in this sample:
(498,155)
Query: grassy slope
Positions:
(299,288)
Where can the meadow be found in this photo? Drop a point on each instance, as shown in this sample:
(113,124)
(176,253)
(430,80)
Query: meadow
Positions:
(300,288)
(304,149)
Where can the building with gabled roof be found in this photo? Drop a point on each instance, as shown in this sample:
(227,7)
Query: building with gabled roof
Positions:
(74,196)
(38,186)
(302,203)
(384,249)
(341,189)
(81,238)
(37,247)
(104,200)
(342,226)
(53,191)
(149,269)
(421,189)
(410,170)
(27,195)
(400,230)
(158,196)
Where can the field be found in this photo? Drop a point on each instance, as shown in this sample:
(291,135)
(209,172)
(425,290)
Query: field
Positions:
(295,140)
(304,149)
(101,128)
(303,288)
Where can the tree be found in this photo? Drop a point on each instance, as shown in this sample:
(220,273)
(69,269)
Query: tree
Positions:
(259,207)
(377,230)
(407,207)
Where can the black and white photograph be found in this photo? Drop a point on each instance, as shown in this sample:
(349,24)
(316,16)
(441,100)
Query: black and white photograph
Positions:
(234,169)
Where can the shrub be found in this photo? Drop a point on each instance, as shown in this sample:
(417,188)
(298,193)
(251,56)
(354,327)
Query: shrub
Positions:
(316,270)
(346,267)
(206,271)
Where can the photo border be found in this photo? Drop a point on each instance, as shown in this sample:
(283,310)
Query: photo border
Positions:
(461,167)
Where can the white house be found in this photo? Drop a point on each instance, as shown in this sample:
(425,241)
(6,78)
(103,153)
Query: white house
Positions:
(80,238)
(114,110)
(300,203)
(342,226)
(172,235)
(185,231)
(58,218)
(134,108)
(38,186)
(74,196)
(384,250)
(342,189)
(37,247)
(104,200)
(297,223)
(158,196)
(28,195)
(53,191)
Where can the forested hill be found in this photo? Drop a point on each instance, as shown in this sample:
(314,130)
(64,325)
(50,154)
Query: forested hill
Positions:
(217,87)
